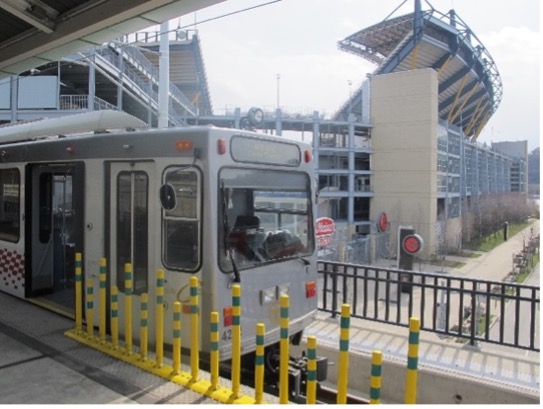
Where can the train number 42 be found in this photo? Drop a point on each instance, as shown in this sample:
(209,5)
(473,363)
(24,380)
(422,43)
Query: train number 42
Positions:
(227,335)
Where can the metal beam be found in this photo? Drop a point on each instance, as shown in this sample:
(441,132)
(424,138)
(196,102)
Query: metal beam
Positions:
(458,96)
(449,82)
(31,13)
(99,22)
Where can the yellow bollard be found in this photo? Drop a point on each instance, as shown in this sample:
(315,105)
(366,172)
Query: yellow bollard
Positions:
(176,343)
(375,380)
(195,330)
(343,368)
(214,348)
(159,329)
(259,363)
(102,311)
(90,308)
(311,392)
(114,317)
(412,361)
(78,294)
(128,307)
(283,349)
(236,340)
(143,325)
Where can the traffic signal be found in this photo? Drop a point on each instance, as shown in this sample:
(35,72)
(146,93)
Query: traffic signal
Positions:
(409,244)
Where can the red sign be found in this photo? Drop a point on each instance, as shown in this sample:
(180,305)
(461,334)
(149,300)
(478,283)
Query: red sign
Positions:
(324,227)
(325,241)
(382,222)
(412,244)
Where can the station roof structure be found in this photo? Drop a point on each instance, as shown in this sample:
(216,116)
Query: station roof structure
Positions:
(35,32)
(470,88)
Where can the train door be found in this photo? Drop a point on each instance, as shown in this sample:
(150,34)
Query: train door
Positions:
(55,200)
(129,223)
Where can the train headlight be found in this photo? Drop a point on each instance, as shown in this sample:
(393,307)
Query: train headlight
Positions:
(282,289)
(267,296)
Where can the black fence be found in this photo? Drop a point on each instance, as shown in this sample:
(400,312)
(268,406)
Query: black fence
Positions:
(473,310)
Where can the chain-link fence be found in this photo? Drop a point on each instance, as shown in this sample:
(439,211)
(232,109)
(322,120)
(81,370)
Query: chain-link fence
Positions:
(362,250)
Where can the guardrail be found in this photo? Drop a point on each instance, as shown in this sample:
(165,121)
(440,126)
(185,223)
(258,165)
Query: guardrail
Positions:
(117,340)
(474,310)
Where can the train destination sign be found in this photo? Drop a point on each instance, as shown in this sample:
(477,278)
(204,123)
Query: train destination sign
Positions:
(255,150)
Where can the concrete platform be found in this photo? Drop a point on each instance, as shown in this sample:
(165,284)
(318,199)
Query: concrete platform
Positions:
(40,365)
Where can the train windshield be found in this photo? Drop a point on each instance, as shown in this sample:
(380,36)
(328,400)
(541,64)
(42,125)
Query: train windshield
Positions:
(266,217)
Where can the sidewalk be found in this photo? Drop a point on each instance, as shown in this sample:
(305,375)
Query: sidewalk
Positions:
(497,263)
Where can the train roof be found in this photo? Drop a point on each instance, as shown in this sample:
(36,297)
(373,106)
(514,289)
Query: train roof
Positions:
(96,121)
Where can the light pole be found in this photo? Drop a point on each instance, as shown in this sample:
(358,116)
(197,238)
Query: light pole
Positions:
(350,96)
(278,79)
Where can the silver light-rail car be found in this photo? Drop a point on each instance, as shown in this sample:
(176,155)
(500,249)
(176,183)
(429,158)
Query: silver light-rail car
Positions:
(223,205)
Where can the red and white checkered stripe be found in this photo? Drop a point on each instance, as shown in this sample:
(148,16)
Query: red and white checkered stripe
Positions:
(12,267)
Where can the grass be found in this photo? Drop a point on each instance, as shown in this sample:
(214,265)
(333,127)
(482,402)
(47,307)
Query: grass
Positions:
(446,263)
(495,239)
(527,270)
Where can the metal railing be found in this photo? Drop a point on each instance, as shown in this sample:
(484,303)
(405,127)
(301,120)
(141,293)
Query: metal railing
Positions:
(76,101)
(497,312)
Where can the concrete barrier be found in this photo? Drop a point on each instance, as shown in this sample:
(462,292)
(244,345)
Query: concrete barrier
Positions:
(435,386)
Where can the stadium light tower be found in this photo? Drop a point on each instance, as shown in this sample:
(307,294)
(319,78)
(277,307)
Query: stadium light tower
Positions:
(278,79)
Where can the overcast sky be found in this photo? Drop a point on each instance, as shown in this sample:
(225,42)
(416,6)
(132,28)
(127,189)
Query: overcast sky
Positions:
(297,39)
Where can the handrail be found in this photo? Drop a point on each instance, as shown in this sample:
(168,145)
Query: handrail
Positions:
(497,312)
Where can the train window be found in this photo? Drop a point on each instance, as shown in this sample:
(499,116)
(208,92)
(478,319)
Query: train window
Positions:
(9,204)
(181,220)
(266,217)
(132,228)
(46,207)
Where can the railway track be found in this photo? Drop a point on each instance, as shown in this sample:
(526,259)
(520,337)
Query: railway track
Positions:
(329,396)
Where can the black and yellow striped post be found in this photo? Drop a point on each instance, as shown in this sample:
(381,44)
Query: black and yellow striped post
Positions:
(128,308)
(214,351)
(90,308)
(102,309)
(412,361)
(159,324)
(144,299)
(343,368)
(78,293)
(176,340)
(259,363)
(114,317)
(283,349)
(236,340)
(195,330)
(311,388)
(375,379)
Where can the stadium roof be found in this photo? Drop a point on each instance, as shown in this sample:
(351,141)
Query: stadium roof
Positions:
(470,88)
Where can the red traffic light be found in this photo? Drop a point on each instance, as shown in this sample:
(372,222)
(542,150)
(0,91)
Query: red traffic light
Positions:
(412,244)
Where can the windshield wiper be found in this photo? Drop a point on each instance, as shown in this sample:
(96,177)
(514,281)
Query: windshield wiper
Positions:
(228,250)
(305,261)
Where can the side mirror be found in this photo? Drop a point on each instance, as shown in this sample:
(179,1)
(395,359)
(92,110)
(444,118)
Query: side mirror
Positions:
(167,196)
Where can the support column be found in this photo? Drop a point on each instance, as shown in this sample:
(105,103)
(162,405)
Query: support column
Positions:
(121,82)
(14,97)
(164,76)
(278,122)
(92,83)
(316,141)
(350,175)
